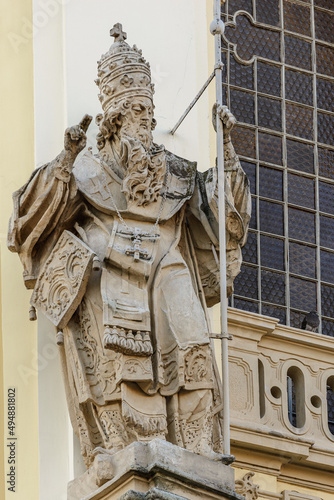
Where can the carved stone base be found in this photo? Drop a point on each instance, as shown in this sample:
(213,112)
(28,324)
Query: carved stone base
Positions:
(154,470)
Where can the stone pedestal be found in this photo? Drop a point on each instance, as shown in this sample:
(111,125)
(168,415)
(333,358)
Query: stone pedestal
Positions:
(154,470)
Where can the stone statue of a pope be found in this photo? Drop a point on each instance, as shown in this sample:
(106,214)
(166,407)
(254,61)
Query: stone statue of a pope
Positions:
(121,250)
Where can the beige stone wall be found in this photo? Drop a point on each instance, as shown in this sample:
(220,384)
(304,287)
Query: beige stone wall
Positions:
(19,339)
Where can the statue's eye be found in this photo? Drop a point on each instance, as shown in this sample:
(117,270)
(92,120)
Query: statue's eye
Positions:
(137,108)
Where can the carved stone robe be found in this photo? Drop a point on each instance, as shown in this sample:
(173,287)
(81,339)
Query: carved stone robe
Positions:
(113,397)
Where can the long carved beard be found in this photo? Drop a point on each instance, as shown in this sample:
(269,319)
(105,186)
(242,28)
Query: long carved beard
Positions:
(137,131)
(145,171)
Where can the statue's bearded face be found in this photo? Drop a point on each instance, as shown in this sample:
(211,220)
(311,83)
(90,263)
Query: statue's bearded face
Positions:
(138,121)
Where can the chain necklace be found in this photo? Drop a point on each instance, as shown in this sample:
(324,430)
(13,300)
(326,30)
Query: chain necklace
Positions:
(136,251)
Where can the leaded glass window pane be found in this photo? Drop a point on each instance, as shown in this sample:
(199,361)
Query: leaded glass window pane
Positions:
(246,283)
(282,89)
(301,191)
(273,287)
(272,252)
(303,294)
(327,266)
(301,225)
(271,183)
(269,79)
(327,231)
(270,148)
(275,312)
(300,156)
(302,259)
(271,217)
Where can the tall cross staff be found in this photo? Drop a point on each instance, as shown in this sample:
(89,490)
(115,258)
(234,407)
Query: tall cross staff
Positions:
(217,29)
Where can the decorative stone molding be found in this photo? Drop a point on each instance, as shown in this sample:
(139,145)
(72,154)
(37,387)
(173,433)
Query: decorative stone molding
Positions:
(294,495)
(273,352)
(246,487)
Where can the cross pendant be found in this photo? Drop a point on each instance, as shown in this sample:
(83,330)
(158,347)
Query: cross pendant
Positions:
(136,249)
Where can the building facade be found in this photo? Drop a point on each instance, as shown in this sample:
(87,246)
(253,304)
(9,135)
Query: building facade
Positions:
(279,57)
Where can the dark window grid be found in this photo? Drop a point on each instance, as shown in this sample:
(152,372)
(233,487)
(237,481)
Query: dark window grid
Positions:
(303,277)
(311,142)
(301,174)
(242,5)
(299,121)
(271,8)
(303,261)
(322,127)
(254,305)
(304,209)
(267,268)
(324,59)
(270,113)
(269,261)
(325,93)
(260,94)
(327,326)
(279,312)
(327,214)
(241,72)
(251,285)
(301,139)
(282,134)
(323,22)
(303,292)
(279,224)
(249,98)
(307,38)
(327,318)
(330,408)
(269,145)
(329,283)
(318,6)
(296,68)
(237,296)
(226,54)
(231,47)
(305,174)
(278,202)
(326,249)
(295,240)
(300,156)
(301,105)
(297,17)
(301,191)
(324,43)
(258,24)
(274,166)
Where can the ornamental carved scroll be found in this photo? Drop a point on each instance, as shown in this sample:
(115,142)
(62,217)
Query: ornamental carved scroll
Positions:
(62,283)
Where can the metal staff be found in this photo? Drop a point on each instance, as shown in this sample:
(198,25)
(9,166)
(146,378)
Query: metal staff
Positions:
(217,29)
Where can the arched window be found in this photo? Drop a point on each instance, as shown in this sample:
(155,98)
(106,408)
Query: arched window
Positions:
(330,403)
(296,397)
(261,389)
